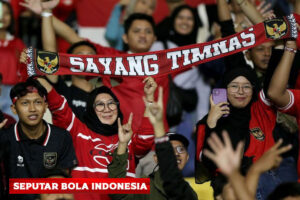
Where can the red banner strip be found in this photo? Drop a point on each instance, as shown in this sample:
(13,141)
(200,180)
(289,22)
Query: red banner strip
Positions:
(79,185)
(161,63)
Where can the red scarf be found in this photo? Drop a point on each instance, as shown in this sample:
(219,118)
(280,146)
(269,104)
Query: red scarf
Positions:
(160,63)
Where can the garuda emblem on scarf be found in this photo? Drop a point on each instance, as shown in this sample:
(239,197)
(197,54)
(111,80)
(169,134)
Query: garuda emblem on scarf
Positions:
(275,28)
(47,62)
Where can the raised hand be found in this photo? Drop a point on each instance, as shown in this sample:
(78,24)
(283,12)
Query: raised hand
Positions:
(23,57)
(149,88)
(223,155)
(37,6)
(264,9)
(271,158)
(216,112)
(125,131)
(154,110)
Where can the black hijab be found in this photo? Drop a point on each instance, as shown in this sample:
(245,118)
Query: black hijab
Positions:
(237,123)
(178,38)
(91,119)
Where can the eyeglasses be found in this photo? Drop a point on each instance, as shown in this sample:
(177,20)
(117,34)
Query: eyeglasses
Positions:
(234,88)
(111,105)
(180,149)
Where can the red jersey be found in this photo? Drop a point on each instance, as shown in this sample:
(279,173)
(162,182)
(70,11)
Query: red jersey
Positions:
(262,123)
(94,151)
(10,50)
(293,108)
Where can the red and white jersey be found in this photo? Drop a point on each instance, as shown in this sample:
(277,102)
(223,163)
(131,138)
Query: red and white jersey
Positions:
(293,108)
(10,50)
(94,151)
(262,123)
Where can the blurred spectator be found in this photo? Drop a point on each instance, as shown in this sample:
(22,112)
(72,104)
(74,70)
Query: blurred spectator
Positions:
(76,94)
(164,26)
(115,29)
(10,49)
(3,116)
(52,146)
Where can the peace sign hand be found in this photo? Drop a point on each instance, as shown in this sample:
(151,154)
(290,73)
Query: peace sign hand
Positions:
(125,131)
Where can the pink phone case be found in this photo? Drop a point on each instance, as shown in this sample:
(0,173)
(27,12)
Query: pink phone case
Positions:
(219,95)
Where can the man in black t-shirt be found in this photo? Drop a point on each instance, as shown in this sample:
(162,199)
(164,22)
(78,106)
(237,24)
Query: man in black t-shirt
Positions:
(77,93)
(32,146)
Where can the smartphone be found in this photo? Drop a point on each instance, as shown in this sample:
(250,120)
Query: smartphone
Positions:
(219,95)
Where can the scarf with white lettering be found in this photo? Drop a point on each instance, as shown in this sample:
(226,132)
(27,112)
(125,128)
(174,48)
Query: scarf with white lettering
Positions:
(160,63)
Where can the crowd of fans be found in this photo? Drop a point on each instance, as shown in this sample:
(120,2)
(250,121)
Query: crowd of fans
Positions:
(246,146)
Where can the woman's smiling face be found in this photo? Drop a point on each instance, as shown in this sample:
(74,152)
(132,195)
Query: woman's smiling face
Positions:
(106,108)
(239,92)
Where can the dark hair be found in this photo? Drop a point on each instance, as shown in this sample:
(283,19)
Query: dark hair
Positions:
(180,138)
(81,43)
(138,16)
(21,89)
(11,27)
(196,19)
(1,78)
(284,190)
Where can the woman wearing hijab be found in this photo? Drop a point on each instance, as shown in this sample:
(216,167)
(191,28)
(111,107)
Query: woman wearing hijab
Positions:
(250,117)
(96,138)
(247,116)
(181,30)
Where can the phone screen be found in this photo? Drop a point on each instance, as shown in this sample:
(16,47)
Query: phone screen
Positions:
(219,95)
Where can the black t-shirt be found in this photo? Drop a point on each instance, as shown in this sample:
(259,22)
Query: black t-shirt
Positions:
(31,158)
(76,97)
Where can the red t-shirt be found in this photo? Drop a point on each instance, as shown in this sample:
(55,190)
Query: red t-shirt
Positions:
(10,50)
(293,108)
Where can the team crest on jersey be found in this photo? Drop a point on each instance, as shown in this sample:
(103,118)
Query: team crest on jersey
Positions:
(275,28)
(20,161)
(47,62)
(258,134)
(50,159)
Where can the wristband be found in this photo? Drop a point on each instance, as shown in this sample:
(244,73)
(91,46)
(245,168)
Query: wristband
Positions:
(292,50)
(46,14)
(163,139)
